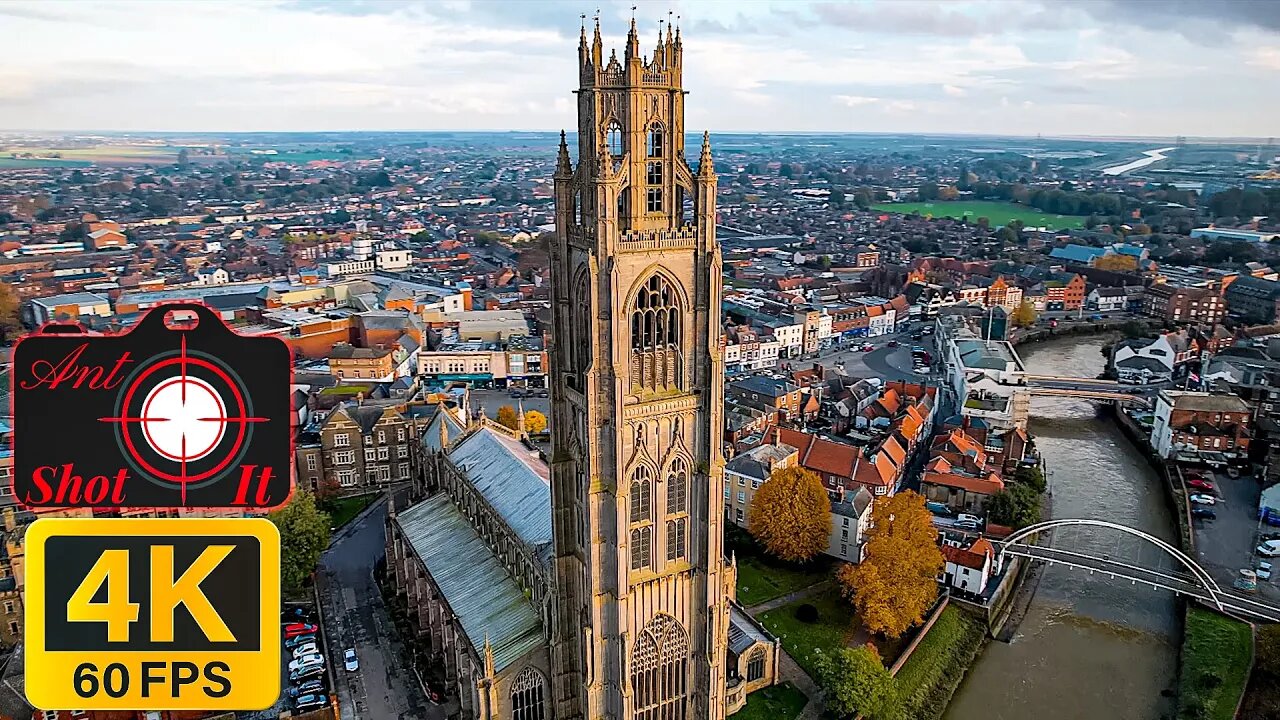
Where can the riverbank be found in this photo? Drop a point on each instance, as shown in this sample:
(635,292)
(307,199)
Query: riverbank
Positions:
(938,664)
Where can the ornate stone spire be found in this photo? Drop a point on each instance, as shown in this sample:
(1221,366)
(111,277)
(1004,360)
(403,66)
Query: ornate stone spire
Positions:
(444,429)
(520,420)
(706,167)
(633,38)
(488,658)
(597,45)
(564,168)
(659,50)
(584,51)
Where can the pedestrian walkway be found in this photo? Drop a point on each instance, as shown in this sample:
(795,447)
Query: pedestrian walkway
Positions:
(789,598)
(792,673)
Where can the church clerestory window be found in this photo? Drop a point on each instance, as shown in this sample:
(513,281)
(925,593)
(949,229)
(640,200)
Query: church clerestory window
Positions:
(528,692)
(641,495)
(613,136)
(656,141)
(656,318)
(677,488)
(641,547)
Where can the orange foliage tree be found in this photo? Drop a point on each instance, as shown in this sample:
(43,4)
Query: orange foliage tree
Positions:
(1116,262)
(790,515)
(897,582)
(535,422)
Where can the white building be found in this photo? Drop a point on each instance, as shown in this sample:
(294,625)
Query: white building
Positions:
(850,520)
(338,268)
(212,276)
(968,569)
(69,306)
(732,356)
(882,323)
(393,259)
(986,376)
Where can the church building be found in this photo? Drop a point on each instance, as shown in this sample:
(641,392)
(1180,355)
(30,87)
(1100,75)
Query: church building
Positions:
(593,583)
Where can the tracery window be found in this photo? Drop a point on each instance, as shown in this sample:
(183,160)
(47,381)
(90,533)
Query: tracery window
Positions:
(677,537)
(656,361)
(677,487)
(656,140)
(641,547)
(659,668)
(527,696)
(641,494)
(755,665)
(614,139)
(580,343)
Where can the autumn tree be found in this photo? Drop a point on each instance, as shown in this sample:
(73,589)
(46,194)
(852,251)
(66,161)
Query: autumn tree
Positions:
(304,534)
(790,514)
(1025,315)
(857,683)
(9,323)
(534,421)
(896,582)
(507,416)
(1116,262)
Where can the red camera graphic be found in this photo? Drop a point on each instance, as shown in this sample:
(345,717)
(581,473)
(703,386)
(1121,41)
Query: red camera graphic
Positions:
(178,412)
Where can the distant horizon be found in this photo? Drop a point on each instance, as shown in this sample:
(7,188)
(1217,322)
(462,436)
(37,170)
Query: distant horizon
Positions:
(1189,139)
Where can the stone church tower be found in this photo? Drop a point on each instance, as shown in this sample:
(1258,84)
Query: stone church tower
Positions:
(642,590)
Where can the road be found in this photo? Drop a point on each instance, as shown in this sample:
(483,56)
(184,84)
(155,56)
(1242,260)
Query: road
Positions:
(491,400)
(355,616)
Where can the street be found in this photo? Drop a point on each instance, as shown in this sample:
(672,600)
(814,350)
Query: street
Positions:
(354,616)
(491,400)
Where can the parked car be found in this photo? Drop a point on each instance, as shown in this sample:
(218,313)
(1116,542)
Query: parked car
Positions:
(298,640)
(296,629)
(305,673)
(1264,571)
(1199,484)
(893,343)
(1270,548)
(310,702)
(966,517)
(305,660)
(352,662)
(1269,536)
(517,394)
(543,393)
(310,687)
(868,347)
(938,508)
(1203,513)
(1202,499)
(965,525)
(305,649)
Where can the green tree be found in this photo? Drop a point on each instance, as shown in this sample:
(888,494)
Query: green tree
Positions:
(837,198)
(984,223)
(1016,506)
(1031,476)
(1007,236)
(857,683)
(304,534)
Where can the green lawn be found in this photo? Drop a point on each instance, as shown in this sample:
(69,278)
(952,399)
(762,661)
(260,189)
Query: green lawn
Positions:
(930,677)
(806,642)
(1215,665)
(760,581)
(341,510)
(999,213)
(778,702)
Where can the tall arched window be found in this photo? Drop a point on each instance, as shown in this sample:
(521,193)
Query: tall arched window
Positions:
(655,337)
(580,343)
(613,136)
(656,141)
(677,537)
(677,487)
(527,696)
(641,544)
(755,665)
(641,494)
(659,669)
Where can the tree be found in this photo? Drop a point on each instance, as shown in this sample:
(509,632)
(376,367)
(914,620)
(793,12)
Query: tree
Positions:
(1017,506)
(9,303)
(790,514)
(857,683)
(535,422)
(984,223)
(507,416)
(1025,315)
(1007,236)
(304,534)
(837,198)
(897,581)
(1116,262)
(1031,476)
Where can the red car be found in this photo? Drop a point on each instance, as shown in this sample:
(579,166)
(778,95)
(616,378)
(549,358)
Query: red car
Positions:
(1200,484)
(295,629)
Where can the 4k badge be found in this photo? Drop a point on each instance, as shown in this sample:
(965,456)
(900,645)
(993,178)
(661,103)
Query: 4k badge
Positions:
(178,412)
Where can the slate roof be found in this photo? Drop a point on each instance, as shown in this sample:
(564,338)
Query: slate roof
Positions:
(515,483)
(431,436)
(744,631)
(1077,253)
(488,603)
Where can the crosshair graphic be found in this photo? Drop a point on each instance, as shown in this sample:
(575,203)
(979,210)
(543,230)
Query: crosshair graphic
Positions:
(183,418)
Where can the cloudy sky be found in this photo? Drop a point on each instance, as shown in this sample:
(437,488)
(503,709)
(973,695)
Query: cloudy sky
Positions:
(1092,67)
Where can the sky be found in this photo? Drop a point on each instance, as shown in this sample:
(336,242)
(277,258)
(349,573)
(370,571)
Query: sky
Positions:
(1200,68)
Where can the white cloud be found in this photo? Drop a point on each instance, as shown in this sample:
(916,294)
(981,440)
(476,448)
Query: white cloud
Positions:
(953,91)
(1265,57)
(856,100)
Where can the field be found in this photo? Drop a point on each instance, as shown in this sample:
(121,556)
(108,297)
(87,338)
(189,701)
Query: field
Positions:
(999,213)
(293,156)
(84,156)
(1216,654)
(806,642)
(760,581)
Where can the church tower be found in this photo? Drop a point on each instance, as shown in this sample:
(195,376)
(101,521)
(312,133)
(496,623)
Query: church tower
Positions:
(641,620)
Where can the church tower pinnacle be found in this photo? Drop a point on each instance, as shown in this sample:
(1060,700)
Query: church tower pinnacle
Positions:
(640,624)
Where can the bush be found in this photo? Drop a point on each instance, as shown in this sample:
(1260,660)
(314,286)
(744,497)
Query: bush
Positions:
(807,613)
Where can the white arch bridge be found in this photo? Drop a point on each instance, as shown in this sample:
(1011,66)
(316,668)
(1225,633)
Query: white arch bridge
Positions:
(1187,578)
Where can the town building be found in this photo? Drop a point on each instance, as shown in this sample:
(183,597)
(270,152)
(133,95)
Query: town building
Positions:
(350,363)
(1184,304)
(746,472)
(1200,427)
(986,377)
(850,521)
(1253,299)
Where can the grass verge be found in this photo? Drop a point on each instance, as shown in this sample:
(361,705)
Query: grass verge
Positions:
(778,702)
(806,642)
(933,672)
(760,581)
(342,510)
(1215,665)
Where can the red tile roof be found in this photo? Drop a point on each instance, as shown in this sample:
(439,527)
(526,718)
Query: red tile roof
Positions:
(989,485)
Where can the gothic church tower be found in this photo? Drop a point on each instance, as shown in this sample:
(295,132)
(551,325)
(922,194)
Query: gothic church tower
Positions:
(641,623)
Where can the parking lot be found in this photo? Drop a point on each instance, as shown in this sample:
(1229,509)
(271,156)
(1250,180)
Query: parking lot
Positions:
(1225,544)
(491,400)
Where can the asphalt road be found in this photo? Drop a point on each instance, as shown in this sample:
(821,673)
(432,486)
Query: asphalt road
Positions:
(355,616)
(491,400)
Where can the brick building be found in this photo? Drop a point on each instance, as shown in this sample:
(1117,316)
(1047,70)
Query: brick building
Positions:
(1183,305)
(1199,427)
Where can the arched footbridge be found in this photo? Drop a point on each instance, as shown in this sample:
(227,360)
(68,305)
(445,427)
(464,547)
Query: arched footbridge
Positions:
(1178,572)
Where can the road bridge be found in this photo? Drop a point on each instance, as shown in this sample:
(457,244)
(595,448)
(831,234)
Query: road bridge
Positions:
(1189,579)
(1091,389)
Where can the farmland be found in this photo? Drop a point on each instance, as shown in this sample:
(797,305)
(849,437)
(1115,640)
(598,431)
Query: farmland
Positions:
(22,156)
(999,213)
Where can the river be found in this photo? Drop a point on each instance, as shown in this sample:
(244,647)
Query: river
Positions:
(1089,647)
(1152,156)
